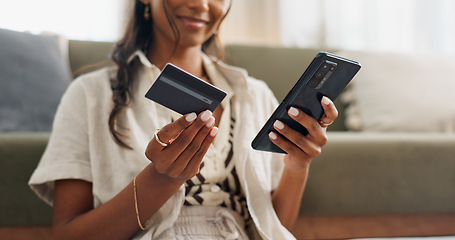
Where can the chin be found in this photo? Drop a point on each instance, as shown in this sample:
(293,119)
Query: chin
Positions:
(192,43)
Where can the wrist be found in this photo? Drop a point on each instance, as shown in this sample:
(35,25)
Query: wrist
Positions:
(300,174)
(162,179)
(296,165)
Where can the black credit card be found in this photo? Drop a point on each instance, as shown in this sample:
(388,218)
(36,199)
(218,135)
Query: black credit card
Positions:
(183,92)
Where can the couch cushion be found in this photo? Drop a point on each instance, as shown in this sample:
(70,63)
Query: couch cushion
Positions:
(88,56)
(33,77)
(19,155)
(402,92)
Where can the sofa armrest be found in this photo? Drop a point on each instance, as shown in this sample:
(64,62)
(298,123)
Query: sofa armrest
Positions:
(19,156)
(382,173)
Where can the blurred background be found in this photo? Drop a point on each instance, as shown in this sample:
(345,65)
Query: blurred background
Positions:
(388,169)
(385,25)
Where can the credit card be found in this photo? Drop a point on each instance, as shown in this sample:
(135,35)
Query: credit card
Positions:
(183,92)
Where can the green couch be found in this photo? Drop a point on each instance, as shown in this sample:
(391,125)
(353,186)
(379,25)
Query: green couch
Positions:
(358,173)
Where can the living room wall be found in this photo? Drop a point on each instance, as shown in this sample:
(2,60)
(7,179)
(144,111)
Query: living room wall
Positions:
(385,25)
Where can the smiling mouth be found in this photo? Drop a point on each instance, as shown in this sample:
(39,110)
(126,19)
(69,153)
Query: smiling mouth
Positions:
(193,22)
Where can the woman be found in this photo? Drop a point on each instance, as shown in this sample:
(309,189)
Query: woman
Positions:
(194,181)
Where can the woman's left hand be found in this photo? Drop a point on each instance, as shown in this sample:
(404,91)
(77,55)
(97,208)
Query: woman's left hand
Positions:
(301,149)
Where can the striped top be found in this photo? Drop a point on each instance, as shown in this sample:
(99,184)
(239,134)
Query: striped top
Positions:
(217,183)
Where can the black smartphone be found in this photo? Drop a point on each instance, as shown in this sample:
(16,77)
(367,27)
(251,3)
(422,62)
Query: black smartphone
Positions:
(327,75)
(183,92)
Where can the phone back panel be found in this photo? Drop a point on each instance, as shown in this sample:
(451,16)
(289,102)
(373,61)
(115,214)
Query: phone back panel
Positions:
(307,93)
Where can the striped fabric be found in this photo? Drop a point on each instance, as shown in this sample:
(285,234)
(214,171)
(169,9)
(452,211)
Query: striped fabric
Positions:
(221,190)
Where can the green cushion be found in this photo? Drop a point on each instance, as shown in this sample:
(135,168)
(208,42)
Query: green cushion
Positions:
(86,56)
(382,173)
(19,156)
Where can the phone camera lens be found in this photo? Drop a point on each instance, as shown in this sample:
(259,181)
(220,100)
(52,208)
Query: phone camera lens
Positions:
(319,75)
(313,83)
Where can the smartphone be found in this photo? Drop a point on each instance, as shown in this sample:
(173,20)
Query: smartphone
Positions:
(327,75)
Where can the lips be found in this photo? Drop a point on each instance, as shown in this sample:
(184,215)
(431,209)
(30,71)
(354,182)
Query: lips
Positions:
(194,23)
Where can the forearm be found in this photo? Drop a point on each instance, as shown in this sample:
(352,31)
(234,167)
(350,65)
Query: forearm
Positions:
(288,195)
(116,219)
(171,165)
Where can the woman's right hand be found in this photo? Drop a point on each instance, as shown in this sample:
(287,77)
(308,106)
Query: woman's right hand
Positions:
(188,139)
(74,214)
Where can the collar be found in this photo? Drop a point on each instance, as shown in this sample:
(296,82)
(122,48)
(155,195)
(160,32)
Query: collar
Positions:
(142,58)
(237,76)
(218,79)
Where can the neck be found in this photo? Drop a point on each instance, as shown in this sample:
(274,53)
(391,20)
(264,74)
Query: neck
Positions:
(187,58)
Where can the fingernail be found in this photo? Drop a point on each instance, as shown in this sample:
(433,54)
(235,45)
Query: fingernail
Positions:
(293,111)
(214,131)
(191,117)
(210,122)
(325,100)
(206,115)
(272,135)
(278,124)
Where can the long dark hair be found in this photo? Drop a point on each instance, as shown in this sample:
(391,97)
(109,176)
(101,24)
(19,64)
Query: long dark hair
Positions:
(137,36)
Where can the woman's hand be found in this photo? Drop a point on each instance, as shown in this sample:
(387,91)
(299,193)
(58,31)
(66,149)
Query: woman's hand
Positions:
(188,139)
(302,149)
(74,215)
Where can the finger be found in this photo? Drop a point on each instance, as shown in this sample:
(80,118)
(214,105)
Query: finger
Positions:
(198,140)
(194,164)
(311,124)
(295,141)
(330,111)
(195,146)
(285,144)
(170,131)
(164,158)
(186,136)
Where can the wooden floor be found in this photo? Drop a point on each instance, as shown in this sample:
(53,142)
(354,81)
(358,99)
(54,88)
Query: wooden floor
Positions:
(327,227)
(26,233)
(346,227)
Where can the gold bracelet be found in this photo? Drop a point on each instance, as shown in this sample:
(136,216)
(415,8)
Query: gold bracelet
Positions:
(137,209)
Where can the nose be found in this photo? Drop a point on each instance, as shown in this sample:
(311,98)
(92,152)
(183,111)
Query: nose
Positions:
(199,4)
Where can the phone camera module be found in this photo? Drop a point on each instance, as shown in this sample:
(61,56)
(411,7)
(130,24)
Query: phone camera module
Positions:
(322,74)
